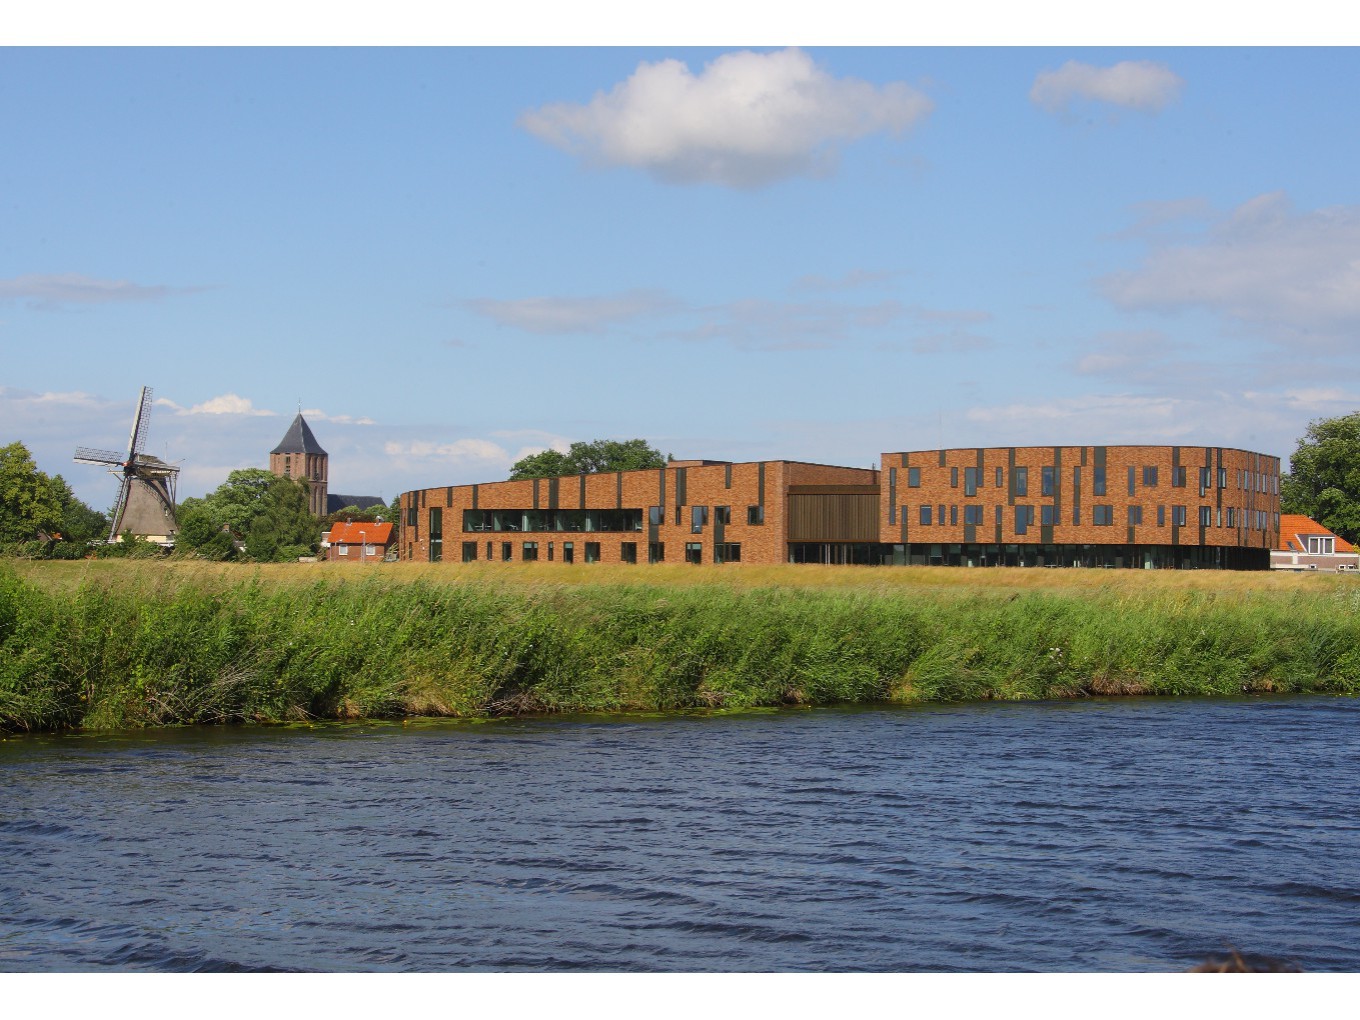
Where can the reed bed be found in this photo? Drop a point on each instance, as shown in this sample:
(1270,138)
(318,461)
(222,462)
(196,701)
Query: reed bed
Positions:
(106,645)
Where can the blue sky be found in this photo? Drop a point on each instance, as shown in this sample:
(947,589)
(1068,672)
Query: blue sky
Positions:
(454,256)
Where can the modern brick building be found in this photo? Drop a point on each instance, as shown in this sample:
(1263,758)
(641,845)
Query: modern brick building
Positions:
(1113,506)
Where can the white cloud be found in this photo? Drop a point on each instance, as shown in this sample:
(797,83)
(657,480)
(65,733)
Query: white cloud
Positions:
(62,290)
(747,120)
(460,451)
(227,403)
(572,315)
(1293,276)
(1136,84)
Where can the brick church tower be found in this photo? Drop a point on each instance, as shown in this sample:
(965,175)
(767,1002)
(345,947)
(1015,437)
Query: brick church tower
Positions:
(300,457)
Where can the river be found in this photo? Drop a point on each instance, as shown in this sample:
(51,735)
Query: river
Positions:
(1098,835)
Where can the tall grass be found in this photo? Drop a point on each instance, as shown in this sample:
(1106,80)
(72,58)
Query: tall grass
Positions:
(123,645)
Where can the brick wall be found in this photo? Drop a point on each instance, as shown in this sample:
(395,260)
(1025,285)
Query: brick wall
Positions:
(943,476)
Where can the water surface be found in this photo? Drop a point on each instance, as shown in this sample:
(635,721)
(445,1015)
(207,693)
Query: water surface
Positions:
(1121,835)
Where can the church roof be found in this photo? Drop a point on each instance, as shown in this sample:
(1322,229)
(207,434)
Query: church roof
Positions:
(337,501)
(299,439)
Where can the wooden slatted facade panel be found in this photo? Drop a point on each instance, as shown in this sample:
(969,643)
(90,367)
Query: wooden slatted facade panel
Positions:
(833,517)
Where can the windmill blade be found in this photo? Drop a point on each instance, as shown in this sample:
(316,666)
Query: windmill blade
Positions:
(139,425)
(86,455)
(118,508)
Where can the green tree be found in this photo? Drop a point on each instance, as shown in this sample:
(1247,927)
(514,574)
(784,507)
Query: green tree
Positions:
(79,523)
(284,527)
(589,458)
(269,514)
(28,502)
(1324,476)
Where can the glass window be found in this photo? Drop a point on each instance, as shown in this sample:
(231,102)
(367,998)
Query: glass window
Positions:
(972,515)
(530,551)
(656,552)
(1098,481)
(914,477)
(1046,481)
(953,478)
(506,552)
(1047,515)
(727,552)
(755,515)
(694,552)
(1178,516)
(469,552)
(1024,516)
(679,516)
(1102,515)
(722,515)
(954,514)
(1132,477)
(925,513)
(654,515)
(1149,478)
(568,552)
(698,518)
(628,552)
(1178,477)
(1021,481)
(1206,516)
(970,481)
(592,552)
(1135,515)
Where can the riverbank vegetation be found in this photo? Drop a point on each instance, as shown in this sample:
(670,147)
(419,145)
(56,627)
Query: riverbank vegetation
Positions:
(112,644)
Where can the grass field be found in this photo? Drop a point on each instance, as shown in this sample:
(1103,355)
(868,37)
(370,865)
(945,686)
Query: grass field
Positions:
(107,644)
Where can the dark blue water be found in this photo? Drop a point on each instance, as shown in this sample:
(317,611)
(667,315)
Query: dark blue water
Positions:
(1118,835)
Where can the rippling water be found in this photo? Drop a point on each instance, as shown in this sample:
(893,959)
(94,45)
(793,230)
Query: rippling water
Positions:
(1097,835)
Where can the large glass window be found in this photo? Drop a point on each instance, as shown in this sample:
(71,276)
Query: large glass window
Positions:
(1102,516)
(1098,481)
(970,481)
(727,552)
(592,552)
(1047,515)
(925,513)
(972,515)
(1149,478)
(654,516)
(914,477)
(1135,516)
(694,552)
(628,552)
(722,515)
(1024,517)
(1021,476)
(698,518)
(1178,516)
(1046,481)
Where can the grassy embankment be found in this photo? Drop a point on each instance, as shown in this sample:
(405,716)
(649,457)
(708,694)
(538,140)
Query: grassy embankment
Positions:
(115,644)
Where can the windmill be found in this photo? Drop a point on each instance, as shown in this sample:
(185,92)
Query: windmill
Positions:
(146,500)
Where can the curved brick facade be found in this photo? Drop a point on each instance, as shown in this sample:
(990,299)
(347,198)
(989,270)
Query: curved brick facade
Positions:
(1146,506)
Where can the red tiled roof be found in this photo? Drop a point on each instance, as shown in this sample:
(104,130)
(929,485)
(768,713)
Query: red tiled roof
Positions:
(373,534)
(1294,525)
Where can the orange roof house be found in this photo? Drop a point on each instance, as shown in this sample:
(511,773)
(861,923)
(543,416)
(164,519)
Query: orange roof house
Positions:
(358,542)
(1306,545)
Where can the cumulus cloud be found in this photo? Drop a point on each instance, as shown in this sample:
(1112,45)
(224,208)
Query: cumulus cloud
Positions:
(747,120)
(572,314)
(1294,277)
(227,403)
(65,290)
(1135,84)
(460,451)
